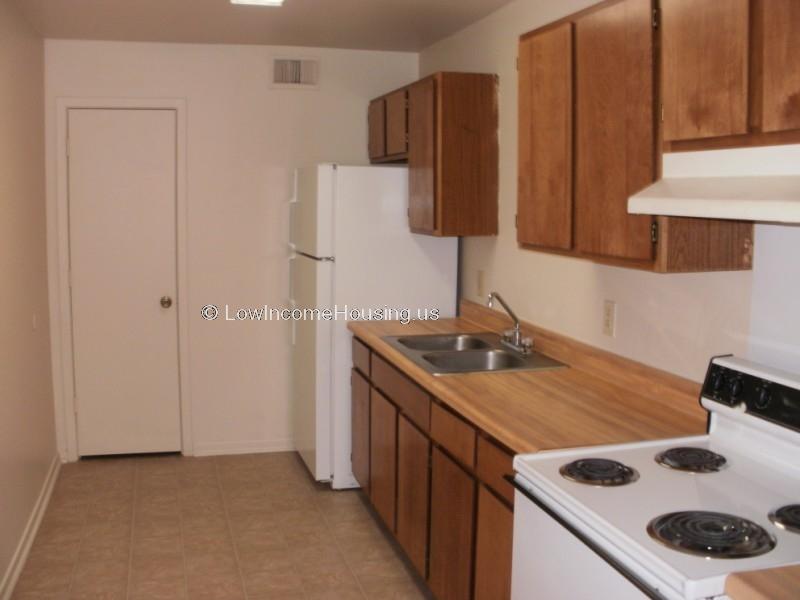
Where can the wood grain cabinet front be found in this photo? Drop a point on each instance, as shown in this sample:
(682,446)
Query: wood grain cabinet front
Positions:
(704,53)
(360,424)
(383,457)
(493,547)
(452,152)
(589,138)
(376,124)
(775,66)
(452,529)
(544,206)
(413,476)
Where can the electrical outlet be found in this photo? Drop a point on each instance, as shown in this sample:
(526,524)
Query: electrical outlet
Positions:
(610,318)
(480,283)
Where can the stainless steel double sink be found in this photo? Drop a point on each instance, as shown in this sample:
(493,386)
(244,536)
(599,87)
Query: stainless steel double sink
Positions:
(449,354)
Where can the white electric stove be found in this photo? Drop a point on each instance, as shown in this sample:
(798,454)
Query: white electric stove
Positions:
(669,519)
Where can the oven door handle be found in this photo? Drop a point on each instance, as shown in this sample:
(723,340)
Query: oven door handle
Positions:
(645,588)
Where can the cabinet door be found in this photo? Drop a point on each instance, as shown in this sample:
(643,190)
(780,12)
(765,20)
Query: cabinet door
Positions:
(383,457)
(413,452)
(360,429)
(705,61)
(776,65)
(544,205)
(396,123)
(493,548)
(422,156)
(615,122)
(376,122)
(452,529)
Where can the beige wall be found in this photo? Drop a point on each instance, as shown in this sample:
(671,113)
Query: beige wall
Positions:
(244,139)
(27,442)
(675,322)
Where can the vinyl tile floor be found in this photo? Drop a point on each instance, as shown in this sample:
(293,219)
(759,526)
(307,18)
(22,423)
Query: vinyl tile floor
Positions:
(251,527)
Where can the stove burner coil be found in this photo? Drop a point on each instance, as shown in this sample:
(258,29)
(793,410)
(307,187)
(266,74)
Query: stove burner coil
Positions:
(692,460)
(787,517)
(710,534)
(599,471)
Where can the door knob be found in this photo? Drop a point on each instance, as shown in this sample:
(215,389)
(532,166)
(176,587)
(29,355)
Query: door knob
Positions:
(166,301)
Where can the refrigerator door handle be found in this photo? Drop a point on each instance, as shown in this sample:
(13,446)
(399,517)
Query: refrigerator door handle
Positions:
(317,258)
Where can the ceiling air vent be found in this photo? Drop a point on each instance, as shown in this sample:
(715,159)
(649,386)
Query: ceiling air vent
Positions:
(295,73)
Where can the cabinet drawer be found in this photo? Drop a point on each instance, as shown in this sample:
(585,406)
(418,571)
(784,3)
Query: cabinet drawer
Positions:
(361,354)
(453,434)
(494,464)
(410,398)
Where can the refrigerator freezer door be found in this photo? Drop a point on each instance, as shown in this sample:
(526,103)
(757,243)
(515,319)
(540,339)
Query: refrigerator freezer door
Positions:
(311,211)
(311,365)
(379,264)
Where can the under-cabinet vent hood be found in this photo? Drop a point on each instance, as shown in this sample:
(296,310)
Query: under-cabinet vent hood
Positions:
(770,198)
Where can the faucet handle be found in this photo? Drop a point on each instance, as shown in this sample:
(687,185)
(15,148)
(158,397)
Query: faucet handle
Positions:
(527,344)
(509,334)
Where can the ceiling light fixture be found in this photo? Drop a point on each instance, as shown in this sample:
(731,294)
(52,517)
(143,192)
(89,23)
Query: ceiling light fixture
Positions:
(259,2)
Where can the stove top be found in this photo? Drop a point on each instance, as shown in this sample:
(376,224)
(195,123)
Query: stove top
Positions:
(787,517)
(691,510)
(599,472)
(691,459)
(710,534)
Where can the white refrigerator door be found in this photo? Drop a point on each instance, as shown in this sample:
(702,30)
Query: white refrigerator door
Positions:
(311,285)
(379,263)
(311,211)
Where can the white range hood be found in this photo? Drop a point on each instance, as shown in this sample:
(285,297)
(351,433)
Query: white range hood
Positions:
(748,184)
(755,198)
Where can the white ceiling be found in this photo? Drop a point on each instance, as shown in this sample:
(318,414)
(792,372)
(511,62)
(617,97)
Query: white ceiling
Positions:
(408,25)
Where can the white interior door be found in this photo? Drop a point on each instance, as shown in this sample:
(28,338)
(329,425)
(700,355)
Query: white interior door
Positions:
(122,221)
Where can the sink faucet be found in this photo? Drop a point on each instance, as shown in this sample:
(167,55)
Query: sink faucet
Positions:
(513,337)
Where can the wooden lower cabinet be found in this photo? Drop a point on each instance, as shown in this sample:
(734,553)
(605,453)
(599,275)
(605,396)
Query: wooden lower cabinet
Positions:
(413,478)
(383,457)
(436,481)
(452,529)
(493,548)
(360,429)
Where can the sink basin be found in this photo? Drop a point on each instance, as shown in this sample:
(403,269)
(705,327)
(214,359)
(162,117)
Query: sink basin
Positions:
(430,343)
(466,362)
(451,354)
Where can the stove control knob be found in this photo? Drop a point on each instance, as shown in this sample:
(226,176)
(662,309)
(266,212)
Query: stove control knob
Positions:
(736,387)
(764,398)
(718,381)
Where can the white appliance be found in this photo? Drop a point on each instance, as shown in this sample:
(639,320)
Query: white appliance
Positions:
(351,249)
(668,519)
(749,184)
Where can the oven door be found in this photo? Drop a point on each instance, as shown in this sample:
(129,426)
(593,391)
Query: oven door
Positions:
(553,560)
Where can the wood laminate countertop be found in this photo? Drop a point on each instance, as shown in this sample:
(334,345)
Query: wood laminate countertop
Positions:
(532,411)
(770,584)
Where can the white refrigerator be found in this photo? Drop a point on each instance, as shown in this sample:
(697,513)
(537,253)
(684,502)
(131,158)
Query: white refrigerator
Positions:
(351,247)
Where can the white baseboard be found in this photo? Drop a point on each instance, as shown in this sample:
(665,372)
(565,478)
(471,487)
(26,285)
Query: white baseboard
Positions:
(26,541)
(246,447)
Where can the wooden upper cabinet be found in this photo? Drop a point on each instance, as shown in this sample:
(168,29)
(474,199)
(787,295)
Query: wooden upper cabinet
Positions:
(705,67)
(360,428)
(376,123)
(422,156)
(775,61)
(544,206)
(453,155)
(383,457)
(615,132)
(396,123)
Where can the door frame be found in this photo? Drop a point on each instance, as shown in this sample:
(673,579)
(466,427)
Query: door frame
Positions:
(59,275)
